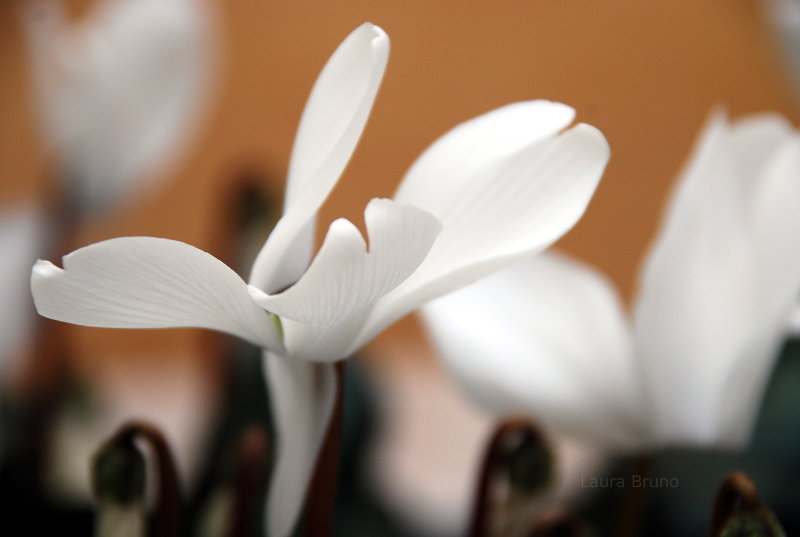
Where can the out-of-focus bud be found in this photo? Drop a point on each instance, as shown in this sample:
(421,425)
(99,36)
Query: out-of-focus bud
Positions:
(517,467)
(118,482)
(738,510)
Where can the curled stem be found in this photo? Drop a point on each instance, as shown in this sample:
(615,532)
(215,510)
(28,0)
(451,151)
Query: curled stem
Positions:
(517,462)
(167,515)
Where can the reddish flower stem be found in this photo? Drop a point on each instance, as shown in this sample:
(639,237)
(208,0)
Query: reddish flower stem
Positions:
(321,503)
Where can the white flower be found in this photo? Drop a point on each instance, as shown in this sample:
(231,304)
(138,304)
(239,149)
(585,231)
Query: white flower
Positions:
(549,338)
(117,94)
(491,191)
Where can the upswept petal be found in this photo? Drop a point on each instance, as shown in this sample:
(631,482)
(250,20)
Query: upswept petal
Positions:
(441,169)
(545,338)
(146,282)
(754,140)
(508,207)
(332,123)
(695,310)
(302,396)
(776,224)
(776,221)
(344,277)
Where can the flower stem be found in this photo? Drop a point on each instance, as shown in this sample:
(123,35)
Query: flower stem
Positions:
(252,459)
(634,503)
(321,504)
(558,523)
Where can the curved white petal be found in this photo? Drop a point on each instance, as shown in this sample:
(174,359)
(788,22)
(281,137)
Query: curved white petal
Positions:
(776,221)
(22,237)
(443,168)
(500,209)
(120,92)
(545,338)
(302,396)
(700,316)
(696,293)
(332,123)
(754,140)
(344,277)
(323,343)
(146,282)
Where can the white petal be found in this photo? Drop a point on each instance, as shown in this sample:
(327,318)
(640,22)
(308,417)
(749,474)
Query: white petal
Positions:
(776,221)
(145,282)
(546,338)
(22,237)
(120,91)
(500,210)
(323,343)
(777,228)
(444,167)
(302,396)
(344,277)
(332,123)
(755,140)
(696,307)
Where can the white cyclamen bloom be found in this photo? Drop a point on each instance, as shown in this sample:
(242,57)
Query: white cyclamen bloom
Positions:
(489,192)
(548,338)
(118,94)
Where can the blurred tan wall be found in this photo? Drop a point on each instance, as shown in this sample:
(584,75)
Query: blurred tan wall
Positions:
(645,72)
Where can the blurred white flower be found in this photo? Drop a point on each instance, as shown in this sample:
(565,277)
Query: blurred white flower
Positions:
(549,338)
(22,236)
(784,15)
(491,191)
(119,93)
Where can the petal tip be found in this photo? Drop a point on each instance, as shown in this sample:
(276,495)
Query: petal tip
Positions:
(594,136)
(44,269)
(378,35)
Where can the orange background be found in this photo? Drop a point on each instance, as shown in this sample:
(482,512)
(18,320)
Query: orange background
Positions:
(645,72)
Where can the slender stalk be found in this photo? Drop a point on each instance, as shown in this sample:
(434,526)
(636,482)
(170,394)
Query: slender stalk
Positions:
(321,504)
(558,523)
(634,503)
(252,462)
